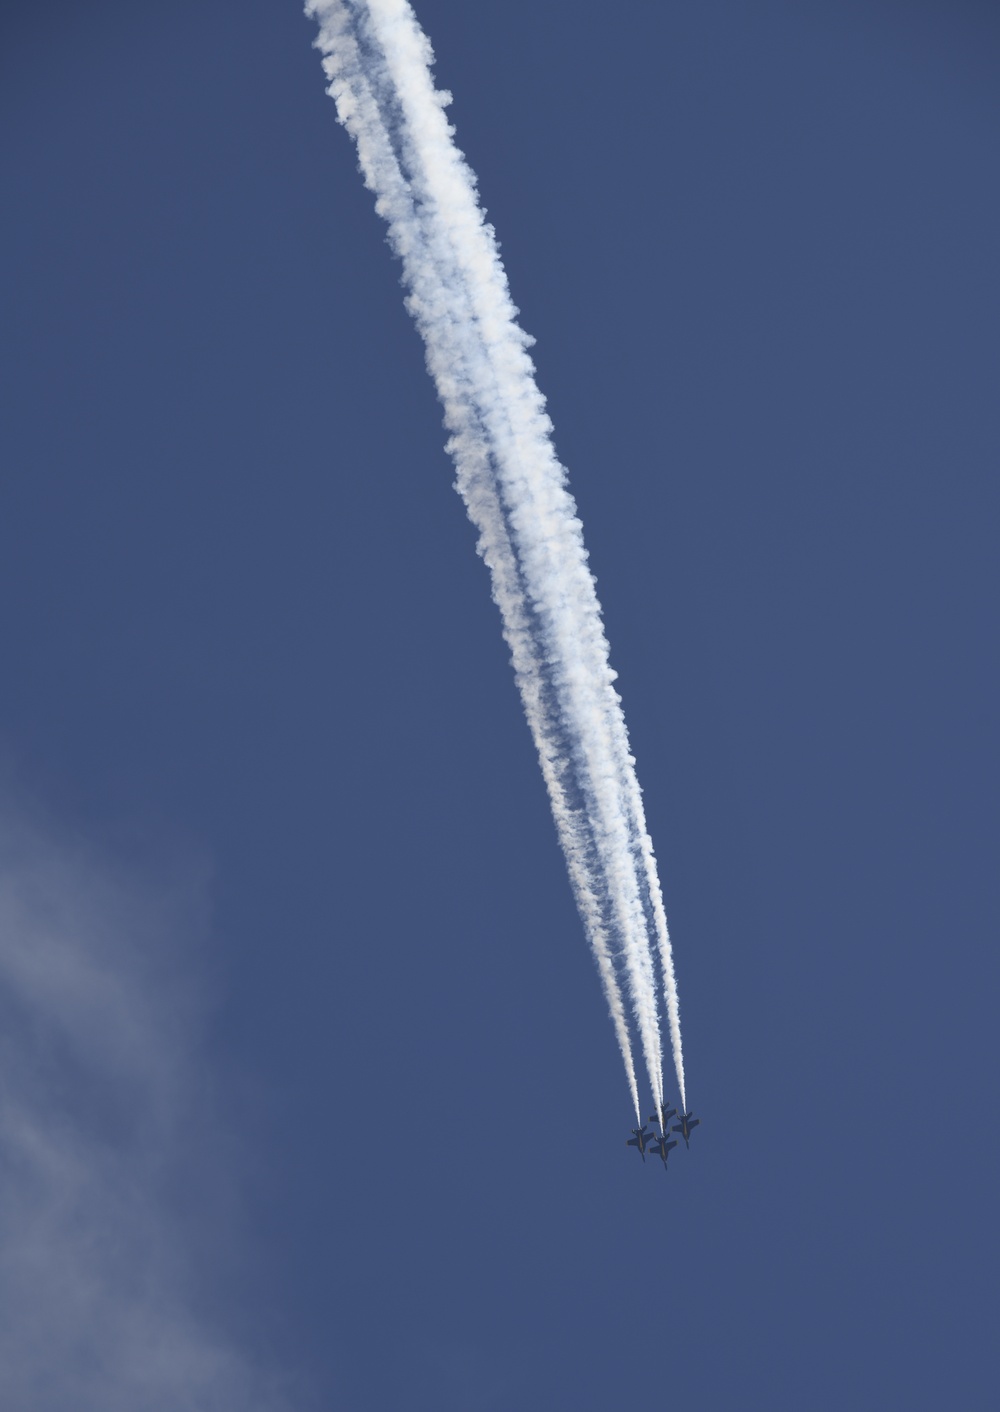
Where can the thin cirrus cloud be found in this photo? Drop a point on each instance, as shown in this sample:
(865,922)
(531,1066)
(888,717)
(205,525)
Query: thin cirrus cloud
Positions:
(103,1121)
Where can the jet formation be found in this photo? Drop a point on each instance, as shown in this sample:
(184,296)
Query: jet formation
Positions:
(662,1146)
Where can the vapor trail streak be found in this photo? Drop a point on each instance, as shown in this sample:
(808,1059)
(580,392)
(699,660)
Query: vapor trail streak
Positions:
(378,63)
(480,491)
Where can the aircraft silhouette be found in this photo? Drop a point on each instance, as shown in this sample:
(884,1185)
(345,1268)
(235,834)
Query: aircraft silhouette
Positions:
(668,1113)
(640,1137)
(685,1125)
(662,1148)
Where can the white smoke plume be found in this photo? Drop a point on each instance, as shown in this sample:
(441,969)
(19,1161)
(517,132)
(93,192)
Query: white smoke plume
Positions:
(378,62)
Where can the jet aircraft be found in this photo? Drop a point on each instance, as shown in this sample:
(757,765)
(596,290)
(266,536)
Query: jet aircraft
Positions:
(684,1127)
(640,1137)
(662,1148)
(668,1113)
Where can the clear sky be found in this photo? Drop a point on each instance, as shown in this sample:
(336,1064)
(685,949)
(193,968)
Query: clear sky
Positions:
(309,1099)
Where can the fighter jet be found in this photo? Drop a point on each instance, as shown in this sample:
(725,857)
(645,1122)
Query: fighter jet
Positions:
(668,1113)
(684,1127)
(640,1137)
(661,1147)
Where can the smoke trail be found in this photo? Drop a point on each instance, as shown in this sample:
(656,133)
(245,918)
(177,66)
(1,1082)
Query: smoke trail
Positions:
(431,290)
(378,62)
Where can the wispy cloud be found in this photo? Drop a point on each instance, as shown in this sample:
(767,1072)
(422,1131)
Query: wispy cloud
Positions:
(102,1113)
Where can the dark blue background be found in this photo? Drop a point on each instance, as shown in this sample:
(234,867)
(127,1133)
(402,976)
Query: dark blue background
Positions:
(240,608)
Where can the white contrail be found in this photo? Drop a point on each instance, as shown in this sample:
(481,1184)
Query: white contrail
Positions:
(430,289)
(378,62)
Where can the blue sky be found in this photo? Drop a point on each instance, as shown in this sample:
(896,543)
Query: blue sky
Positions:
(310,1099)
